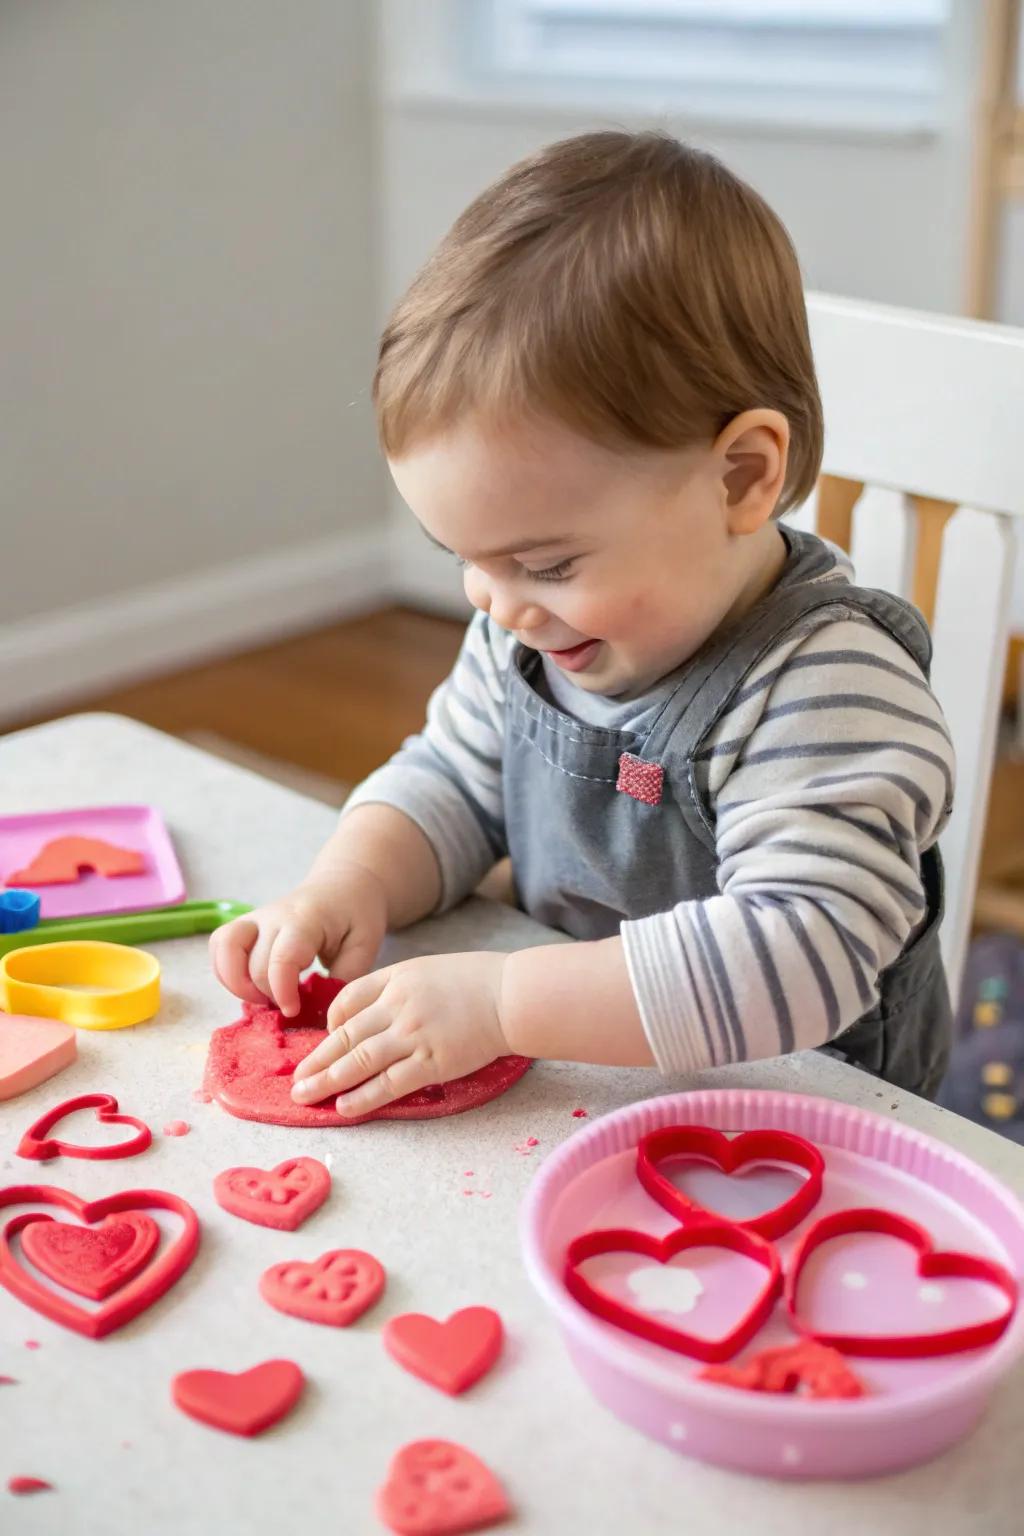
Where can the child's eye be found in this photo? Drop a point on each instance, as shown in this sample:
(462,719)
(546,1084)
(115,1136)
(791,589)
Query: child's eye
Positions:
(557,572)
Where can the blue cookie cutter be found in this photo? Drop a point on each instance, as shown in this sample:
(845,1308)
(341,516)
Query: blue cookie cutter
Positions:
(18,910)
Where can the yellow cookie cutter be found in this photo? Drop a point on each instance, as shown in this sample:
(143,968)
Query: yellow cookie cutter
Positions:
(85,982)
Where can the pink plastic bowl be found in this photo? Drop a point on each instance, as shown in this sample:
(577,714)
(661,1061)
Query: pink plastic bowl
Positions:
(915,1408)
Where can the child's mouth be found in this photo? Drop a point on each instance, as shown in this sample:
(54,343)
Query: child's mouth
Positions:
(576,657)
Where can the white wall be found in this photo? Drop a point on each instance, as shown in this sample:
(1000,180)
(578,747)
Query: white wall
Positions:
(877,216)
(187,314)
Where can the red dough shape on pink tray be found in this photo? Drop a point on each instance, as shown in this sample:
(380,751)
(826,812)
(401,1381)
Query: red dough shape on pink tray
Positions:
(450,1355)
(280,1197)
(336,1288)
(61,862)
(134,1293)
(245,1403)
(250,1064)
(438,1488)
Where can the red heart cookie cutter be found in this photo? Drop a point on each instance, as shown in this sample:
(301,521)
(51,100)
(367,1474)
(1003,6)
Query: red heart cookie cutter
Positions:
(280,1197)
(336,1288)
(931,1264)
(703,1144)
(708,1234)
(132,1298)
(37,1144)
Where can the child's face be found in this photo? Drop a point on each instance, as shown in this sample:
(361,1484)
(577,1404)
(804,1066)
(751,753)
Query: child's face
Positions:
(617,568)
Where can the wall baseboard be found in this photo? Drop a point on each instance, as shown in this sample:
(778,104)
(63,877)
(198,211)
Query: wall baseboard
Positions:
(56,658)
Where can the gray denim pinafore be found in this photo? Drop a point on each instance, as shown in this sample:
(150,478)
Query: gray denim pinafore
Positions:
(586,856)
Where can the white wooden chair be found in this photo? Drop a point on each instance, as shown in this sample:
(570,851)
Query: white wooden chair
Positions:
(923,477)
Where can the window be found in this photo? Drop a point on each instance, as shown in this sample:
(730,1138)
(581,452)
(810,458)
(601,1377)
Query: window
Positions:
(878,62)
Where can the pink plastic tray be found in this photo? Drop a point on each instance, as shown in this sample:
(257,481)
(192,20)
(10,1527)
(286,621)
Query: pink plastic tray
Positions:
(140,827)
(916,1408)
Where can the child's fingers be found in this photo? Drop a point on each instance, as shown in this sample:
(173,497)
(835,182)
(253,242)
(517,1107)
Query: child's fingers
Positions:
(229,950)
(370,1021)
(392,1083)
(369,1057)
(290,953)
(259,959)
(357,995)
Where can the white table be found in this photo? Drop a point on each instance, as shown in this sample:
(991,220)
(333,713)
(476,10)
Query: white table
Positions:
(95,1418)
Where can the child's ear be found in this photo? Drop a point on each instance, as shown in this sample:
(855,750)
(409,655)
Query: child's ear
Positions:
(754,449)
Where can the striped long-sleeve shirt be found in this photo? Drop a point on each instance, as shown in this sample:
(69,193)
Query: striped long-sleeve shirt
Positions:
(828,777)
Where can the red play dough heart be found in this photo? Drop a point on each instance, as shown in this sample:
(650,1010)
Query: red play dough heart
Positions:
(280,1197)
(931,1265)
(243,1404)
(450,1355)
(92,1261)
(250,1064)
(336,1288)
(62,861)
(39,1145)
(437,1488)
(140,1292)
(706,1234)
(700,1143)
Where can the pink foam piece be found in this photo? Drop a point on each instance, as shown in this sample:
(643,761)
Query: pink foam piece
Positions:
(32,1050)
(250,1064)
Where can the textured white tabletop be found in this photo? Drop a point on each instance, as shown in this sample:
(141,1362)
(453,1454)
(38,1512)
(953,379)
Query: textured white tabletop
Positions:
(95,1418)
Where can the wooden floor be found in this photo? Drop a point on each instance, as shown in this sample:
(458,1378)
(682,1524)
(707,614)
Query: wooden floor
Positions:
(336,701)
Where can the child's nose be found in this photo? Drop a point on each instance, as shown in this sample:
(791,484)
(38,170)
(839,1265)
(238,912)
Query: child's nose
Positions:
(506,607)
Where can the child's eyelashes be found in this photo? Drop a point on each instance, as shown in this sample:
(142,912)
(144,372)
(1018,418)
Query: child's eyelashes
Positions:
(559,572)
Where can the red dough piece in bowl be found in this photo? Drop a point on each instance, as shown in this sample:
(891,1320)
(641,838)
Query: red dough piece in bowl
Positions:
(250,1064)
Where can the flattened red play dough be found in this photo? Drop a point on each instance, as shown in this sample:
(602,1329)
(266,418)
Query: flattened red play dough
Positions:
(27,1485)
(280,1197)
(250,1064)
(438,1488)
(92,1261)
(245,1403)
(450,1355)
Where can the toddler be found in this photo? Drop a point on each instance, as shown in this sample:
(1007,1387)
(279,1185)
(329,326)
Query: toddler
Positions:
(713,759)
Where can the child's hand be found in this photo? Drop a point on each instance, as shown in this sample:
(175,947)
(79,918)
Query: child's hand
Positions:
(342,917)
(427,1020)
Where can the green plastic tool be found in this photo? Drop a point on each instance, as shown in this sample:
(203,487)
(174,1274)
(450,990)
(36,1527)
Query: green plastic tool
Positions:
(176,922)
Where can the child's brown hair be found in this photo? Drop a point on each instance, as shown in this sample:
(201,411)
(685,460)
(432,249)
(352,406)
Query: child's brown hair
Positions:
(625,284)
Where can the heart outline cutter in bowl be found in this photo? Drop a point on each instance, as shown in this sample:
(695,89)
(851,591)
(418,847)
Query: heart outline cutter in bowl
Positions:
(705,1234)
(703,1144)
(932,1263)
